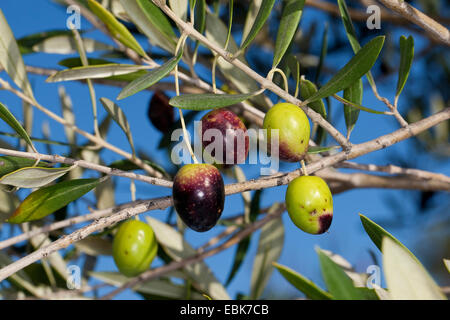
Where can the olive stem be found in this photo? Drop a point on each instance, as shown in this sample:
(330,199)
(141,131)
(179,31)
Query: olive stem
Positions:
(281,73)
(305,171)
(180,44)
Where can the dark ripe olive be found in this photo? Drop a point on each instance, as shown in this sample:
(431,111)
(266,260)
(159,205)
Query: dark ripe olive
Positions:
(160,113)
(235,140)
(134,247)
(199,195)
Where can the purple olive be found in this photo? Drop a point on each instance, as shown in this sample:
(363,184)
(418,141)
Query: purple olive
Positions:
(198,195)
(160,113)
(235,140)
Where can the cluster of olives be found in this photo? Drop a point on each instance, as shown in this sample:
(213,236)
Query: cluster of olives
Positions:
(198,189)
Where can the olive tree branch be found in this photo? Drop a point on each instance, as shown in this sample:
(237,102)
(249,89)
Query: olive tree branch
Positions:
(266,182)
(434,28)
(264,82)
(97,140)
(87,165)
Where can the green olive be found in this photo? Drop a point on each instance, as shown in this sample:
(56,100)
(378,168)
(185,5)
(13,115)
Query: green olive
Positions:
(310,204)
(134,247)
(294,130)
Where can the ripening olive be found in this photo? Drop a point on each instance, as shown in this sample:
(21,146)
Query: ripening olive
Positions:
(233,135)
(198,195)
(310,204)
(293,126)
(134,247)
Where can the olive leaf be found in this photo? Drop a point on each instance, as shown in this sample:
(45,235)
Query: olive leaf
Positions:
(270,245)
(33,177)
(406,277)
(9,118)
(354,94)
(9,164)
(351,34)
(11,58)
(207,101)
(152,22)
(47,200)
(406,59)
(261,17)
(150,78)
(309,288)
(290,18)
(119,117)
(338,282)
(308,89)
(359,65)
(65,44)
(117,29)
(94,72)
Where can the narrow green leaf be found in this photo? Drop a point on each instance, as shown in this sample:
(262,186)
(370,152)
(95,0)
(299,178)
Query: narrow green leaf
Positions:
(117,29)
(179,7)
(447,264)
(250,18)
(318,149)
(200,16)
(45,201)
(263,15)
(406,278)
(351,34)
(94,246)
(354,94)
(323,53)
(270,245)
(309,288)
(150,78)
(294,67)
(150,22)
(10,164)
(65,44)
(338,283)
(308,89)
(26,43)
(33,177)
(290,18)
(377,233)
(239,256)
(356,106)
(8,203)
(127,165)
(359,65)
(9,118)
(119,117)
(157,18)
(11,59)
(406,59)
(207,101)
(94,72)
(348,25)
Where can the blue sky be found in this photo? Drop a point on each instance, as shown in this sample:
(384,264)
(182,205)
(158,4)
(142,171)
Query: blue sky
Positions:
(346,235)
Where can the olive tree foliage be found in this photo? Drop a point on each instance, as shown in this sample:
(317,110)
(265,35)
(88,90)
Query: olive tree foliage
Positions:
(41,192)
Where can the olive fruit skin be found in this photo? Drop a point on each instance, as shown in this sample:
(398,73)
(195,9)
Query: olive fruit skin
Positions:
(134,247)
(160,113)
(227,121)
(310,204)
(294,130)
(199,195)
